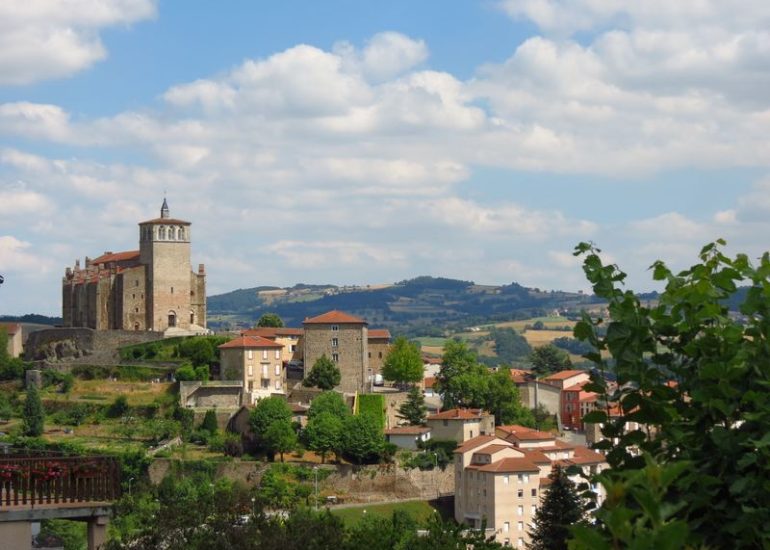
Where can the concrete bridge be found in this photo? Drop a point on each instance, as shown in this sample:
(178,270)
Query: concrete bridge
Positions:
(35,487)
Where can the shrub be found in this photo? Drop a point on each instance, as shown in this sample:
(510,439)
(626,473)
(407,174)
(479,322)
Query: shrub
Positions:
(119,407)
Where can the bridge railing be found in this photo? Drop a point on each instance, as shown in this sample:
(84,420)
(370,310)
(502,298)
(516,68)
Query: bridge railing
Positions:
(46,480)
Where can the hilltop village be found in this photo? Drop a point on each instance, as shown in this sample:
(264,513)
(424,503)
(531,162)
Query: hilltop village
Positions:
(331,392)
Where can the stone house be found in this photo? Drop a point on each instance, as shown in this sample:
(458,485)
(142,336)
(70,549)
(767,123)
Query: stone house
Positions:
(461,424)
(257,362)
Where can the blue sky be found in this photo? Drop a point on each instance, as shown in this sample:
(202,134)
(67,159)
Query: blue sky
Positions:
(362,142)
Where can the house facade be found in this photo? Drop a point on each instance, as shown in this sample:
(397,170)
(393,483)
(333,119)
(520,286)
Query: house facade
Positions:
(257,362)
(461,424)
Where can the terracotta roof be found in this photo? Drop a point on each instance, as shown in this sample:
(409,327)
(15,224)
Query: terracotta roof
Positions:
(519,376)
(458,414)
(250,342)
(407,430)
(379,333)
(584,455)
(129,255)
(558,445)
(272,332)
(509,465)
(524,433)
(11,328)
(565,374)
(494,448)
(334,317)
(429,381)
(474,442)
(576,387)
(165,221)
(535,455)
(298,408)
(431,360)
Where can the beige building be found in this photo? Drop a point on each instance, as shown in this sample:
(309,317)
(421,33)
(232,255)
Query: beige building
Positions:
(15,345)
(153,288)
(567,378)
(461,424)
(290,338)
(257,362)
(500,481)
(407,437)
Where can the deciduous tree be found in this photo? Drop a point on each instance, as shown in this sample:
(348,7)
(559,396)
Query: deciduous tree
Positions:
(362,439)
(324,434)
(324,375)
(267,412)
(331,402)
(270,320)
(403,363)
(549,359)
(280,437)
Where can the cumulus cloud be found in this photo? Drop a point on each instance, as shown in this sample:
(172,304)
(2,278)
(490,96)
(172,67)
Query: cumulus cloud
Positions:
(42,39)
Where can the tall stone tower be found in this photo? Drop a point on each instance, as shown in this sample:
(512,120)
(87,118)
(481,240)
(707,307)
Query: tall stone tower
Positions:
(175,297)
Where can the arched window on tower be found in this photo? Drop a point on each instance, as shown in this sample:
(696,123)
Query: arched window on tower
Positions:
(172,233)
(181,234)
(162,233)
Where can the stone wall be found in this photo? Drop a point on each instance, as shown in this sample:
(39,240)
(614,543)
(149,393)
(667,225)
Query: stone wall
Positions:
(350,483)
(351,350)
(82,345)
(210,395)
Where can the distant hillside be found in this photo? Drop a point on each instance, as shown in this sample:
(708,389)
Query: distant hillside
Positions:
(32,318)
(424,305)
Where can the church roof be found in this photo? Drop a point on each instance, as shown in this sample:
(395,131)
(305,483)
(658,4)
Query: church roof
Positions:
(335,317)
(107,257)
(165,221)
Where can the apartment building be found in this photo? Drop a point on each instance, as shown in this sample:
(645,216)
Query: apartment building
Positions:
(257,362)
(500,479)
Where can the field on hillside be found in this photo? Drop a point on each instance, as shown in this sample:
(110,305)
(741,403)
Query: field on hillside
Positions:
(419,510)
(105,391)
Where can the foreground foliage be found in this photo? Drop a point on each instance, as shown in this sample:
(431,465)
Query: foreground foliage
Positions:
(696,379)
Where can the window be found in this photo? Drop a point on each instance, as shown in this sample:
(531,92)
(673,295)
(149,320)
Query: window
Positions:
(534,492)
(335,342)
(162,233)
(293,348)
(336,357)
(136,283)
(520,493)
(277,354)
(250,354)
(136,310)
(278,384)
(471,434)
(507,542)
(520,543)
(523,478)
(265,384)
(264,354)
(251,385)
(520,526)
(335,328)
(506,527)
(370,355)
(172,290)
(380,355)
(446,422)
(534,509)
(251,370)
(520,510)
(133,296)
(506,479)
(264,371)
(278,370)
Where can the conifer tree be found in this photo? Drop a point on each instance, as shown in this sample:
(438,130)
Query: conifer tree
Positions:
(561,508)
(413,410)
(34,415)
(210,421)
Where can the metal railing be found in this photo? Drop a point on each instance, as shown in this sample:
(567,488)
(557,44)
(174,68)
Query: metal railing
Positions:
(50,480)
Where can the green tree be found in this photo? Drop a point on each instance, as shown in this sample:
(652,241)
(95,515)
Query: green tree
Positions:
(362,439)
(119,407)
(270,320)
(459,374)
(197,349)
(509,344)
(266,412)
(403,363)
(695,377)
(331,402)
(34,415)
(504,401)
(561,508)
(324,375)
(413,410)
(324,433)
(548,359)
(209,422)
(280,437)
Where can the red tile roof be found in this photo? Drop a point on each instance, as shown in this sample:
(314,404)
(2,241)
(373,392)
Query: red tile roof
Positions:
(584,455)
(535,455)
(458,414)
(407,430)
(509,465)
(272,332)
(577,387)
(250,342)
(492,449)
(519,376)
(129,255)
(524,433)
(11,328)
(565,374)
(335,317)
(379,333)
(474,442)
(429,381)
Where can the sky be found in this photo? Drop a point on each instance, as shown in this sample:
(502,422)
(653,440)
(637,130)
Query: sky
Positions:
(352,142)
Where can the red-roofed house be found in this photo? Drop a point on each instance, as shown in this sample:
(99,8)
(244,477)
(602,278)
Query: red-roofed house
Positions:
(567,378)
(461,424)
(255,361)
(501,483)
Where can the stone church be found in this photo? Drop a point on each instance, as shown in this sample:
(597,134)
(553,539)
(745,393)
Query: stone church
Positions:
(150,289)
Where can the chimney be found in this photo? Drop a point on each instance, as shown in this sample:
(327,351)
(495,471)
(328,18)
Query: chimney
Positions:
(201,269)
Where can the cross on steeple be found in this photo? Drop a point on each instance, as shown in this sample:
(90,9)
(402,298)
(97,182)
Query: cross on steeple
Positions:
(164,209)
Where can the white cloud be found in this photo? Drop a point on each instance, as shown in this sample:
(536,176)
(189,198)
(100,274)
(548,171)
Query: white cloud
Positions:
(385,56)
(21,202)
(42,39)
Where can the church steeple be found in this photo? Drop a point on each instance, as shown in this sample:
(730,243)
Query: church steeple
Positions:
(164,209)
